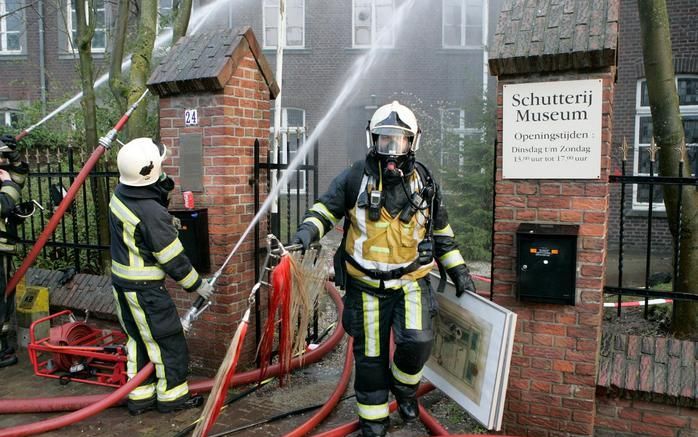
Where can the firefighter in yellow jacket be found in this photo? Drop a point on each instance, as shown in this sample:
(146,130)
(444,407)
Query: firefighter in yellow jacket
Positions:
(394,227)
(13,174)
(144,248)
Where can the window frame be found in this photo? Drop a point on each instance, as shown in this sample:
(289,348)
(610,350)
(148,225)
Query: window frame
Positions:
(464,45)
(272,45)
(374,31)
(644,112)
(70,45)
(284,153)
(462,132)
(4,32)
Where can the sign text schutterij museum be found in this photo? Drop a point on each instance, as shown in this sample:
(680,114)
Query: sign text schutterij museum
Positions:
(552,130)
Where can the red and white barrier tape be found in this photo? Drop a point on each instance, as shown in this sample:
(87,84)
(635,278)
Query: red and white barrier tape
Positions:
(637,303)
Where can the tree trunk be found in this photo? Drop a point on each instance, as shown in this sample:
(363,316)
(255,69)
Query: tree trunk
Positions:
(85,31)
(669,135)
(140,65)
(116,82)
(182,13)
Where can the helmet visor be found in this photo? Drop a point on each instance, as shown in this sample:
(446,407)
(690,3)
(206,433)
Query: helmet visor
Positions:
(392,141)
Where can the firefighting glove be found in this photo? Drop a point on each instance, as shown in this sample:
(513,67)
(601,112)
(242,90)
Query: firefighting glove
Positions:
(425,252)
(205,290)
(462,279)
(302,237)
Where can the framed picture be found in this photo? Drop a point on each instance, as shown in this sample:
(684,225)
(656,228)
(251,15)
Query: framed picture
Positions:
(473,340)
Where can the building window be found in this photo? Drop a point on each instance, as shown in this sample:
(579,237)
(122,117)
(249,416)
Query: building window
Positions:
(462,24)
(9,117)
(165,17)
(295,23)
(11,26)
(687,87)
(371,23)
(99,39)
(455,134)
(292,137)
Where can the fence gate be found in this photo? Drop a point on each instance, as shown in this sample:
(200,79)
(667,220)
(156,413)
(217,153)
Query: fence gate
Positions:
(76,242)
(294,198)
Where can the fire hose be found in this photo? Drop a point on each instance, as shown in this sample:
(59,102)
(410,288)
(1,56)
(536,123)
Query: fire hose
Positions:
(334,398)
(104,144)
(70,403)
(84,413)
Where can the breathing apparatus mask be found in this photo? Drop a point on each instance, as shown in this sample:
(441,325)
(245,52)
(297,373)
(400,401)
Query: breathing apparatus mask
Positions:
(392,136)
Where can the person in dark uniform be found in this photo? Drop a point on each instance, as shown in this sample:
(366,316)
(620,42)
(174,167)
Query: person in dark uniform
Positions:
(144,248)
(13,174)
(394,227)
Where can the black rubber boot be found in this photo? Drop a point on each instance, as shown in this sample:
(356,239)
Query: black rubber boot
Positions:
(408,409)
(7,352)
(374,428)
(8,360)
(136,408)
(184,403)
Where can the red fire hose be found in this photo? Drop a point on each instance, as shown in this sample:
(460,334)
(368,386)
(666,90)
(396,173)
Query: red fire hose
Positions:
(76,416)
(434,427)
(350,427)
(334,398)
(104,144)
(71,403)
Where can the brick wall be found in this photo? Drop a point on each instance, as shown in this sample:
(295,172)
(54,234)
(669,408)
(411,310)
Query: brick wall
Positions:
(230,121)
(553,368)
(632,417)
(21,73)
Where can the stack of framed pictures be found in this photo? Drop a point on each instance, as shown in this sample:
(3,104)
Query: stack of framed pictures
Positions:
(473,340)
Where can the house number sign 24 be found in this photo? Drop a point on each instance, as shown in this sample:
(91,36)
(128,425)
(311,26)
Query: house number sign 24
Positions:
(191,117)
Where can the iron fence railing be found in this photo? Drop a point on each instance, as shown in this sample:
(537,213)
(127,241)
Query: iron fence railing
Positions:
(293,200)
(652,180)
(77,241)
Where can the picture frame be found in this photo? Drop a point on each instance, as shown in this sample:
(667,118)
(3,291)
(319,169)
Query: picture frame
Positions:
(470,360)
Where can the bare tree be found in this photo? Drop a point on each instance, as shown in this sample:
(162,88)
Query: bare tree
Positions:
(182,13)
(118,87)
(85,16)
(669,136)
(140,64)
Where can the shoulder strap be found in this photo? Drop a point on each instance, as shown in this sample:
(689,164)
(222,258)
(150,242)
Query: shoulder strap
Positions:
(353,184)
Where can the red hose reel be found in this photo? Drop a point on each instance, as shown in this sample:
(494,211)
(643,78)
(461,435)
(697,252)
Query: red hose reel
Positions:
(75,351)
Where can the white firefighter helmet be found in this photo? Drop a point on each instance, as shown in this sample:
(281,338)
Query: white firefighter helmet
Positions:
(140,162)
(393,130)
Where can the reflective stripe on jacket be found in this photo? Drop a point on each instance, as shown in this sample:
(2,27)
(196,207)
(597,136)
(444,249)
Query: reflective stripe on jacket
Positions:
(340,200)
(144,241)
(9,197)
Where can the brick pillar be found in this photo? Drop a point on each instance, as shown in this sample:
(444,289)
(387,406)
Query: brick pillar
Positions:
(552,381)
(232,114)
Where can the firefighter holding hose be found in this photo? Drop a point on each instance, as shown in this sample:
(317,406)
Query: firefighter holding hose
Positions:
(144,248)
(394,227)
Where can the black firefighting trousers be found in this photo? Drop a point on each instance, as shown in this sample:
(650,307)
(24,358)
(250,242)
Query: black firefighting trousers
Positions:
(369,315)
(149,318)
(7,304)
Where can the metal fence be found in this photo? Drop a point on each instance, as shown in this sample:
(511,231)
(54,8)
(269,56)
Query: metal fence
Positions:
(76,242)
(653,182)
(293,200)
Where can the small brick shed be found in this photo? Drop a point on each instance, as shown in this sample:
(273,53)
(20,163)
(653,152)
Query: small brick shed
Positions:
(225,79)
